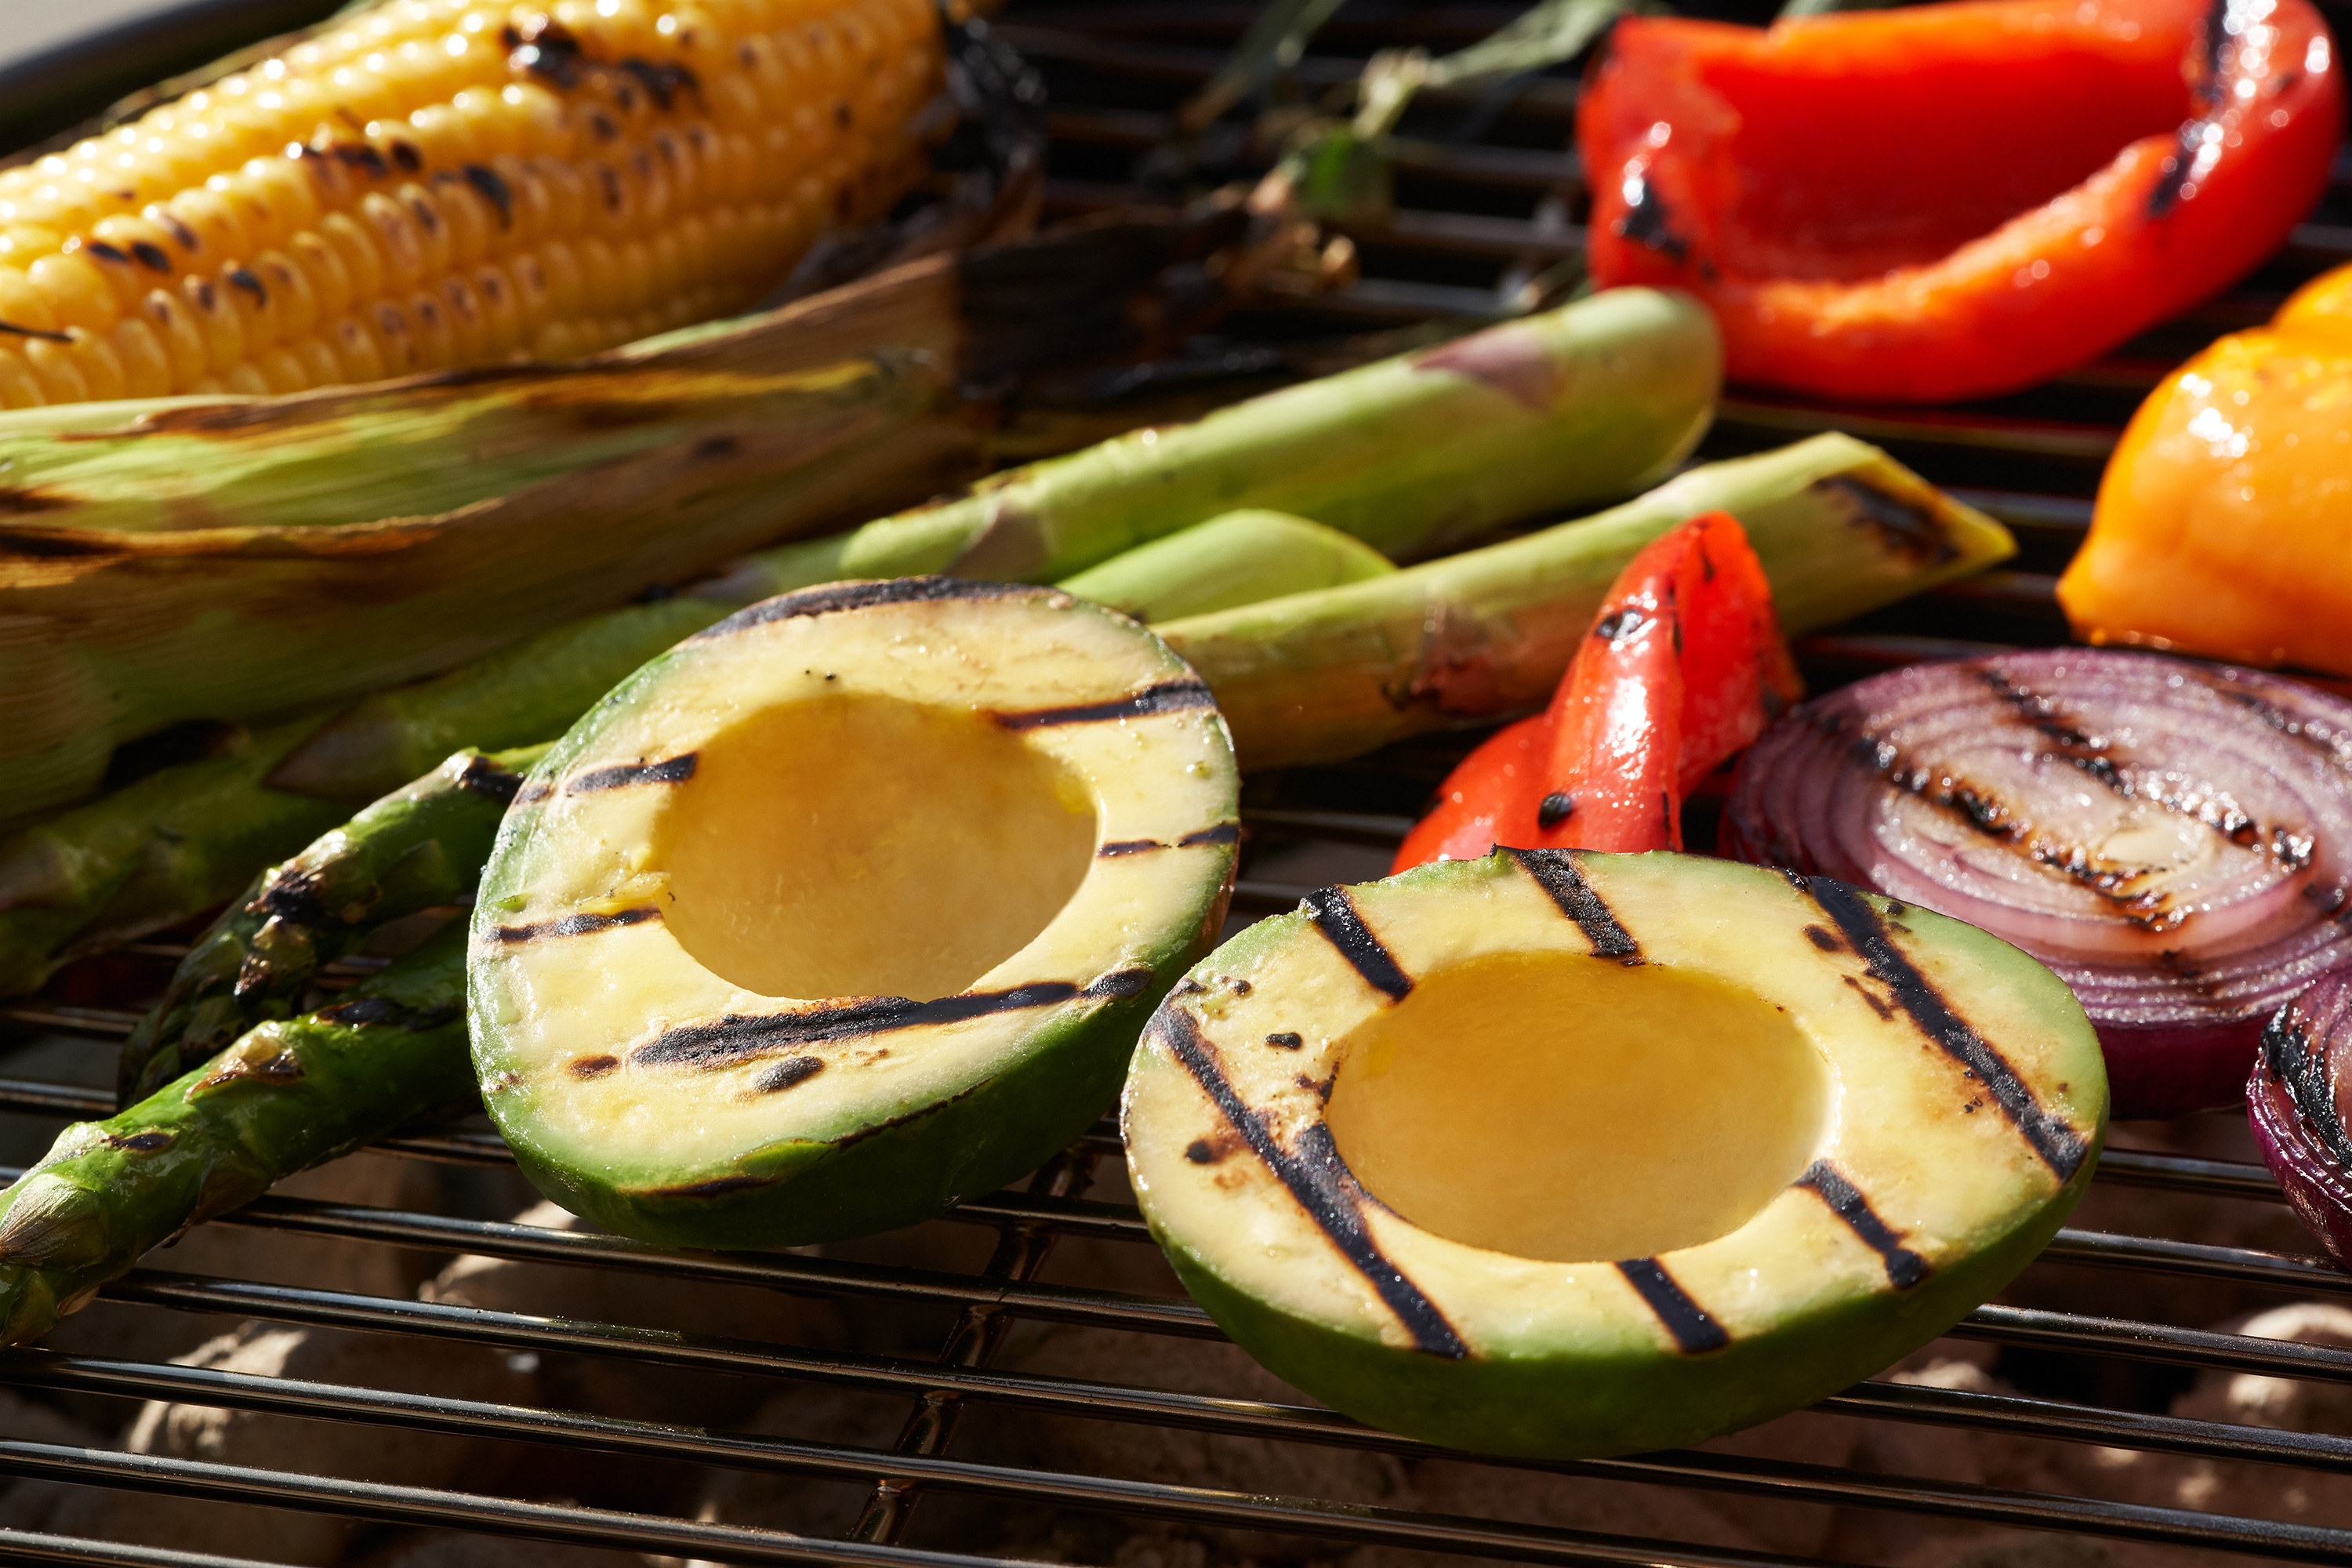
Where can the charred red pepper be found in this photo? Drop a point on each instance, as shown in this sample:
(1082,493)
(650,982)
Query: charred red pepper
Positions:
(1948,201)
(1684,667)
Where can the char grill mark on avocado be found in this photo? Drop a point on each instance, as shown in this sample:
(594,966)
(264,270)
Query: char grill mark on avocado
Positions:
(858,597)
(1557,875)
(2061,1146)
(669,770)
(1321,1182)
(485,778)
(740,1036)
(1335,916)
(1905,1268)
(1694,1328)
(1222,833)
(1168,697)
(577,925)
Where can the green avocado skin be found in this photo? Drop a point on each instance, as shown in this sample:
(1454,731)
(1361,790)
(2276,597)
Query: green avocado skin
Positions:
(1579,1405)
(883,1177)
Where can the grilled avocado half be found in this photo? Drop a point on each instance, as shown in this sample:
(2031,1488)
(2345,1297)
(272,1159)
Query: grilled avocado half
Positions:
(1566,1155)
(846,910)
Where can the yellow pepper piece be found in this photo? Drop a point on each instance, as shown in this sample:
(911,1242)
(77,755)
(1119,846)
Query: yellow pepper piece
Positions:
(2224,523)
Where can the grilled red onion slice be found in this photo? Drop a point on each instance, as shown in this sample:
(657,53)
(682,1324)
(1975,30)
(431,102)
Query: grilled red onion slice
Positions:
(2174,839)
(2295,1102)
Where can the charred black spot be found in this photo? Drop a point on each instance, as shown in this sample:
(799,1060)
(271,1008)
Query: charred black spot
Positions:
(207,299)
(592,1067)
(1618,625)
(546,48)
(139,1142)
(1905,1268)
(181,233)
(625,96)
(426,218)
(1321,1184)
(494,190)
(577,925)
(739,1036)
(1241,987)
(1823,938)
(1286,1040)
(1335,916)
(243,277)
(1169,697)
(1647,223)
(360,155)
(484,777)
(2060,1145)
(660,79)
(1554,809)
(602,126)
(13,331)
(293,895)
(669,770)
(788,1072)
(1222,833)
(1120,984)
(406,155)
(2287,1057)
(1111,851)
(864,596)
(150,256)
(106,252)
(1903,526)
(1877,1004)
(1555,872)
(1200,1152)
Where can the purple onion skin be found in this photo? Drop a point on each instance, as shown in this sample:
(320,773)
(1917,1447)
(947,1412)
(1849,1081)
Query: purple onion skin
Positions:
(1797,794)
(2171,1072)
(2291,1105)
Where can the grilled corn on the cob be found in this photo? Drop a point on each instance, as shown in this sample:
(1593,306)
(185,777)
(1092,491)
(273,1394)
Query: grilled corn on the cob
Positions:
(440,182)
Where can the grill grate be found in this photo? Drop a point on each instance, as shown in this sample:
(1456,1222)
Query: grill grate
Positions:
(2098,1336)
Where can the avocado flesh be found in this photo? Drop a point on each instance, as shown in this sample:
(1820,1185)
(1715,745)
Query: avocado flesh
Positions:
(1580,1155)
(847,910)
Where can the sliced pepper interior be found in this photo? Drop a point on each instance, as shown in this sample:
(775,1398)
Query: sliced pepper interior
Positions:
(1947,201)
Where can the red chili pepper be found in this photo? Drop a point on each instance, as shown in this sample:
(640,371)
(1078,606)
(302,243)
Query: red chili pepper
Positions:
(1684,667)
(1946,201)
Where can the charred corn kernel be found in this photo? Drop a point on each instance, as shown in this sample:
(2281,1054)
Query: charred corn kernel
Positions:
(216,318)
(291,298)
(356,349)
(176,333)
(451,182)
(19,388)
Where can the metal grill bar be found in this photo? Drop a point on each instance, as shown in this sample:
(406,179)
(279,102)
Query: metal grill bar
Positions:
(25,1546)
(433,1506)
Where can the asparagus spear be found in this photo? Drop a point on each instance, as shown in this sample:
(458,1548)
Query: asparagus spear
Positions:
(1840,527)
(1237,559)
(287,1094)
(417,847)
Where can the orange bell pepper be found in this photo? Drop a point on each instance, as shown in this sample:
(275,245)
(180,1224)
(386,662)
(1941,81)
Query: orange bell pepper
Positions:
(1685,667)
(1947,201)
(2224,520)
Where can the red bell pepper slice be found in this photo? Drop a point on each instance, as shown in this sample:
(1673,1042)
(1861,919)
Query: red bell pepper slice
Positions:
(1685,667)
(1946,201)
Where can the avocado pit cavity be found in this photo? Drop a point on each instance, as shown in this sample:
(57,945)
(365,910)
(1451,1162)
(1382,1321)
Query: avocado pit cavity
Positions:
(856,845)
(1573,1108)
